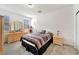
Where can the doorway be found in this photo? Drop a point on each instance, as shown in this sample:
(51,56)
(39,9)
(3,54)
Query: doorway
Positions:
(1,35)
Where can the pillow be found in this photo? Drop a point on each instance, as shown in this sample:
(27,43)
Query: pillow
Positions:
(43,32)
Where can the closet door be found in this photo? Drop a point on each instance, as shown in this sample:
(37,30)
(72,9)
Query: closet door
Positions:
(1,35)
(77,32)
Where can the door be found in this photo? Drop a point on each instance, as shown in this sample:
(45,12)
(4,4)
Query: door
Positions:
(77,30)
(1,34)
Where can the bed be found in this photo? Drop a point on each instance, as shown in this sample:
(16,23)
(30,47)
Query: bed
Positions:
(37,43)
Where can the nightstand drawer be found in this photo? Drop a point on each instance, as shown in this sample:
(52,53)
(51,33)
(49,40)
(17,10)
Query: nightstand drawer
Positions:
(58,40)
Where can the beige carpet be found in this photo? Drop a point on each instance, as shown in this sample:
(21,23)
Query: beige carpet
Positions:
(61,50)
(17,49)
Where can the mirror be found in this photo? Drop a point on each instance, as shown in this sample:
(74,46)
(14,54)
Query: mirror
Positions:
(17,26)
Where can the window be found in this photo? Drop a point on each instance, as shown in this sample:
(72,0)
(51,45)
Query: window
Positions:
(6,23)
(27,22)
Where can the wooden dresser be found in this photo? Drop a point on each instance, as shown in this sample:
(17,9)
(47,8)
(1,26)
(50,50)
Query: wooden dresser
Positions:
(58,40)
(15,36)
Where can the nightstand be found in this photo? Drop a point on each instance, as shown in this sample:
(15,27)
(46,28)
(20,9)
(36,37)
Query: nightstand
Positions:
(58,40)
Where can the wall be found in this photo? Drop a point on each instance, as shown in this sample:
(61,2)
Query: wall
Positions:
(61,20)
(13,16)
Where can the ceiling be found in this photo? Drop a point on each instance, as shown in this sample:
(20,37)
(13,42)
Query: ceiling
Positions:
(23,9)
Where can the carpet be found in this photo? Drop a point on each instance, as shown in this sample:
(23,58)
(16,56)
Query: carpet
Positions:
(17,49)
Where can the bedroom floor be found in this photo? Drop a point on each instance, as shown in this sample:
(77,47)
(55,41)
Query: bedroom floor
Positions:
(17,49)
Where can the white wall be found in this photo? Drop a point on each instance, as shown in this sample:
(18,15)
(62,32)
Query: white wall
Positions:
(13,16)
(61,19)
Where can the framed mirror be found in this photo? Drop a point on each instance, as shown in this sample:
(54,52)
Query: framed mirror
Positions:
(17,26)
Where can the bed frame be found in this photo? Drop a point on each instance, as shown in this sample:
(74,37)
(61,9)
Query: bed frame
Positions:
(35,50)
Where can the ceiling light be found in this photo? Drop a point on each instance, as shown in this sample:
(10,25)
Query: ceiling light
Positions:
(39,11)
(30,5)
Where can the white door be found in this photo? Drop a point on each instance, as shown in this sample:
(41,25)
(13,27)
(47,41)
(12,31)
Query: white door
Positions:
(77,32)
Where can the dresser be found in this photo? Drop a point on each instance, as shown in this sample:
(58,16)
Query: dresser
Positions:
(15,36)
(58,40)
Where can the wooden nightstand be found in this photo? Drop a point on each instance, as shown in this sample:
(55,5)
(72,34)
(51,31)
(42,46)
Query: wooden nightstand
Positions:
(58,40)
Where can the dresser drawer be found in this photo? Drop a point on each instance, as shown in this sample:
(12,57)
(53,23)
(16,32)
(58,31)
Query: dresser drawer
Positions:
(15,36)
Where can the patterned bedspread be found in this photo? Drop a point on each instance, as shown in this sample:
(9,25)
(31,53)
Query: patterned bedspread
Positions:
(38,39)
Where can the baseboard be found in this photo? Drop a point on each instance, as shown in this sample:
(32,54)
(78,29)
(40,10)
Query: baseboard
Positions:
(72,47)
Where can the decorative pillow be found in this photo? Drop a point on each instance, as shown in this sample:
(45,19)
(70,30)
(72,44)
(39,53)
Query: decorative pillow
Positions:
(43,32)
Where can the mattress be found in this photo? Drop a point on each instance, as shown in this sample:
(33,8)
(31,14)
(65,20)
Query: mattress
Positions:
(29,43)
